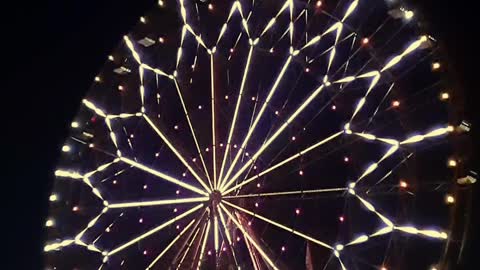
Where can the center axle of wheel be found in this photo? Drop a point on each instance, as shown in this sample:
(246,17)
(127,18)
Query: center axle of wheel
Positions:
(215,198)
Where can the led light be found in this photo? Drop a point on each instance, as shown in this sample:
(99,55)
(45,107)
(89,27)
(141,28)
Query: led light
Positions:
(300,172)
(408,14)
(66,148)
(346,159)
(365,41)
(383,268)
(396,103)
(53,197)
(271,50)
(161,39)
(210,6)
(276,112)
(403,184)
(231,50)
(297,211)
(249,223)
(256,204)
(161,3)
(107,229)
(75,125)
(449,199)
(50,223)
(238,239)
(224,249)
(175,127)
(194,159)
(145,186)
(110,57)
(145,252)
(253,98)
(307,69)
(293,138)
(184,174)
(97,79)
(207,149)
(209,252)
(120,87)
(226,97)
(175,210)
(91,145)
(177,227)
(436,65)
(157,154)
(177,192)
(258,185)
(234,146)
(140,220)
(334,107)
(444,96)
(341,218)
(283,248)
(318,4)
(452,163)
(75,208)
(114,182)
(143,20)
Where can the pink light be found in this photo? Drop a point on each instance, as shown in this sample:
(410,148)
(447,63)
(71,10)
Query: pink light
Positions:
(199,107)
(75,208)
(161,39)
(231,50)
(177,192)
(238,238)
(334,107)
(346,159)
(297,211)
(307,69)
(249,223)
(210,7)
(209,252)
(145,252)
(341,218)
(253,98)
(256,204)
(177,227)
(300,172)
(175,127)
(258,185)
(224,249)
(140,220)
(221,145)
(319,4)
(283,248)
(175,210)
(184,174)
(396,103)
(145,186)
(194,159)
(207,149)
(234,146)
(293,138)
(365,41)
(403,184)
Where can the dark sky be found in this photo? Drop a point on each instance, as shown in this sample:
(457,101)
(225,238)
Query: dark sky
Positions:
(54,48)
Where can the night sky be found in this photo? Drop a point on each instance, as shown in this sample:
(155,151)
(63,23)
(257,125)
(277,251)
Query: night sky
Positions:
(54,49)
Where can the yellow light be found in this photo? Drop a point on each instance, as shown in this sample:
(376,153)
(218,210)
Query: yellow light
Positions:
(319,3)
(66,148)
(110,57)
(449,199)
(436,65)
(452,163)
(161,3)
(143,20)
(53,197)
(75,125)
(49,223)
(408,14)
(383,268)
(444,96)
(97,79)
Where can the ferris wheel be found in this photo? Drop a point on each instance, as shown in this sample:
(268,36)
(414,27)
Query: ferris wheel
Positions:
(261,135)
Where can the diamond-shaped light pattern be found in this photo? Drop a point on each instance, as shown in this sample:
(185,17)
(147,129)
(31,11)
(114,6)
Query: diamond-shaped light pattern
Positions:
(254,135)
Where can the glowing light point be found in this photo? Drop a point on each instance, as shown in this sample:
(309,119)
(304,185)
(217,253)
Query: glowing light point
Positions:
(436,66)
(403,184)
(339,247)
(177,227)
(145,186)
(207,149)
(341,218)
(238,238)
(91,145)
(408,14)
(452,163)
(334,107)
(177,192)
(383,268)
(66,148)
(209,252)
(256,204)
(253,98)
(300,172)
(194,159)
(346,159)
(50,223)
(449,199)
(307,69)
(365,41)
(175,210)
(249,223)
(396,103)
(283,249)
(107,229)
(145,252)
(75,208)
(97,79)
(258,185)
(226,97)
(210,6)
(318,4)
(234,146)
(276,112)
(110,57)
(143,20)
(444,96)
(161,39)
(231,50)
(161,3)
(75,125)
(297,211)
(140,220)
(271,50)
(221,144)
(199,107)
(53,197)
(175,127)
(157,154)
(120,87)
(224,249)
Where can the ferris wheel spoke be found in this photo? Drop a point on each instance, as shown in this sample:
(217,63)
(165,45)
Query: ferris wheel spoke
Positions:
(175,151)
(163,176)
(214,136)
(170,245)
(247,236)
(237,6)
(193,133)
(204,243)
(156,229)
(157,202)
(281,163)
(291,230)
(189,244)
(286,193)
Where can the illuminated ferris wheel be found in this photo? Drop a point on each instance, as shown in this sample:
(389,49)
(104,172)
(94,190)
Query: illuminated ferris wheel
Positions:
(261,135)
